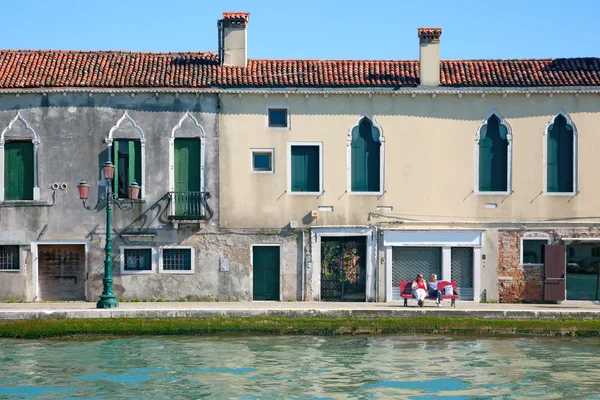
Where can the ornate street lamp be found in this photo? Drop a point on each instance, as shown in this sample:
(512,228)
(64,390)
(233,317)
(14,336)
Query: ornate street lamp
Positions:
(108,299)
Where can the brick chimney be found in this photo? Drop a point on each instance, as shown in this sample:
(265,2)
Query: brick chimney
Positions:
(233,39)
(429,56)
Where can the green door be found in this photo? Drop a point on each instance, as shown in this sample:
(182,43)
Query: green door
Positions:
(187,177)
(18,171)
(265,263)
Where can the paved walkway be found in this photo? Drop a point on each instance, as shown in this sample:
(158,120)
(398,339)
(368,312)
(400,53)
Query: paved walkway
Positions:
(570,309)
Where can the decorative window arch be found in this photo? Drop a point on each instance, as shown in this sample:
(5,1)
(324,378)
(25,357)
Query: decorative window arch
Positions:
(31,178)
(560,156)
(365,148)
(113,136)
(493,156)
(190,142)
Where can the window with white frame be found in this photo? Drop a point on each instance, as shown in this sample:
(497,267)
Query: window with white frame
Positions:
(261,161)
(177,260)
(278,118)
(493,158)
(532,250)
(136,259)
(560,156)
(9,258)
(305,168)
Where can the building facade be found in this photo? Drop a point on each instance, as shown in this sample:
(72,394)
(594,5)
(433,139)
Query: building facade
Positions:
(296,179)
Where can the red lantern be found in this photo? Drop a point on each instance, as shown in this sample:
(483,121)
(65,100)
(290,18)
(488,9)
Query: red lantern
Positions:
(84,190)
(109,170)
(134,190)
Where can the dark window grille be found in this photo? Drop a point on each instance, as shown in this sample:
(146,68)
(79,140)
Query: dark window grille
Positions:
(177,259)
(278,118)
(9,258)
(138,259)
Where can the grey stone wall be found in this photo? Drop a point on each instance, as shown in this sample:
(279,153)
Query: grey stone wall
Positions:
(72,128)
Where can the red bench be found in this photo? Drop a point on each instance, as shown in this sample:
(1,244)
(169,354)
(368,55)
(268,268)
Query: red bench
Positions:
(406,292)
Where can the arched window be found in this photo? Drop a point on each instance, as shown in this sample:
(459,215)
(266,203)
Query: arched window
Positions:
(494,145)
(561,150)
(18,161)
(366,157)
(127,147)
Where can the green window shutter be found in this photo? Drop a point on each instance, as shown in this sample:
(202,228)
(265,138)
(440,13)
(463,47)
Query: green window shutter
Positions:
(560,157)
(305,169)
(18,171)
(115,160)
(493,157)
(131,171)
(187,176)
(137,150)
(365,159)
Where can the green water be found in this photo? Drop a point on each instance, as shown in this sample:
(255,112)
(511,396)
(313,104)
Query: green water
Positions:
(272,367)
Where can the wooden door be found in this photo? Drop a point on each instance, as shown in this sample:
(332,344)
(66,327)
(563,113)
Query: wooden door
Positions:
(555,268)
(61,272)
(265,271)
(187,177)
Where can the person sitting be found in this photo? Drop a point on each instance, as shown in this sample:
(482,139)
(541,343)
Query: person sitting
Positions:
(419,289)
(432,289)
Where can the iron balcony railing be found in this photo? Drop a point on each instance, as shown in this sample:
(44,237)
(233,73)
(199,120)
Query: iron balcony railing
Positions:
(189,206)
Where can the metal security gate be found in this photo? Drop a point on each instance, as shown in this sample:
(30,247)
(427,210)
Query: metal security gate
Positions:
(61,271)
(462,271)
(407,262)
(343,268)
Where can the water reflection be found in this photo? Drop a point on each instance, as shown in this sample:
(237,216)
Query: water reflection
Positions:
(300,368)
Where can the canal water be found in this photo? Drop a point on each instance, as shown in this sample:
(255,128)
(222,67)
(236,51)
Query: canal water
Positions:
(272,367)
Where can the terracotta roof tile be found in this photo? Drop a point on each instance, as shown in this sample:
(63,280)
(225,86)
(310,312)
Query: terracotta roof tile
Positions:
(115,69)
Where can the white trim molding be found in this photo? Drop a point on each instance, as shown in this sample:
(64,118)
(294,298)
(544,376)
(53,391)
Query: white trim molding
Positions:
(544,237)
(201,134)
(509,150)
(161,270)
(370,234)
(142,138)
(575,191)
(252,246)
(289,168)
(271,152)
(287,114)
(380,138)
(35,140)
(153,259)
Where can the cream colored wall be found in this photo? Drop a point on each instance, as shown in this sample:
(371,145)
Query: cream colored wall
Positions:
(429,62)
(429,158)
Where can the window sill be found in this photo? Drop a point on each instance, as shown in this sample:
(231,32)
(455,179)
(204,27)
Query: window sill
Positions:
(180,272)
(305,193)
(561,194)
(532,264)
(278,128)
(10,271)
(480,193)
(366,193)
(146,272)
(25,203)
(262,172)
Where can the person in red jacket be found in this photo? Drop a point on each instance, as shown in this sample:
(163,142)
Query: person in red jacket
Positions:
(419,289)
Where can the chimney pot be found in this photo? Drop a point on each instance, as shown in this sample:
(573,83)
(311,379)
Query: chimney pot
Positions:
(233,39)
(429,56)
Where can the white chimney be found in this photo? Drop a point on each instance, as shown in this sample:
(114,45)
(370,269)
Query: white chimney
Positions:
(429,56)
(233,39)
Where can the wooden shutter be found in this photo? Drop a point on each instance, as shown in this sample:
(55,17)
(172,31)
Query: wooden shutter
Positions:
(18,171)
(115,161)
(555,269)
(493,157)
(365,160)
(560,157)
(298,162)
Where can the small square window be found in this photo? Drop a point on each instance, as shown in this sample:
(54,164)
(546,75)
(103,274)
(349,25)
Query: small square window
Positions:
(177,259)
(9,258)
(137,260)
(532,251)
(262,160)
(278,118)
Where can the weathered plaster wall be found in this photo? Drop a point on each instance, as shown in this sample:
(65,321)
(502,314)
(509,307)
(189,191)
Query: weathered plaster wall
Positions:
(72,128)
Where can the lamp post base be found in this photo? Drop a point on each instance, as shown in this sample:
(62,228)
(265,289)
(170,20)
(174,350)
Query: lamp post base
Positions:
(107,301)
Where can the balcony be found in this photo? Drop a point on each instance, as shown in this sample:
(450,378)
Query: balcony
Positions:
(189,206)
